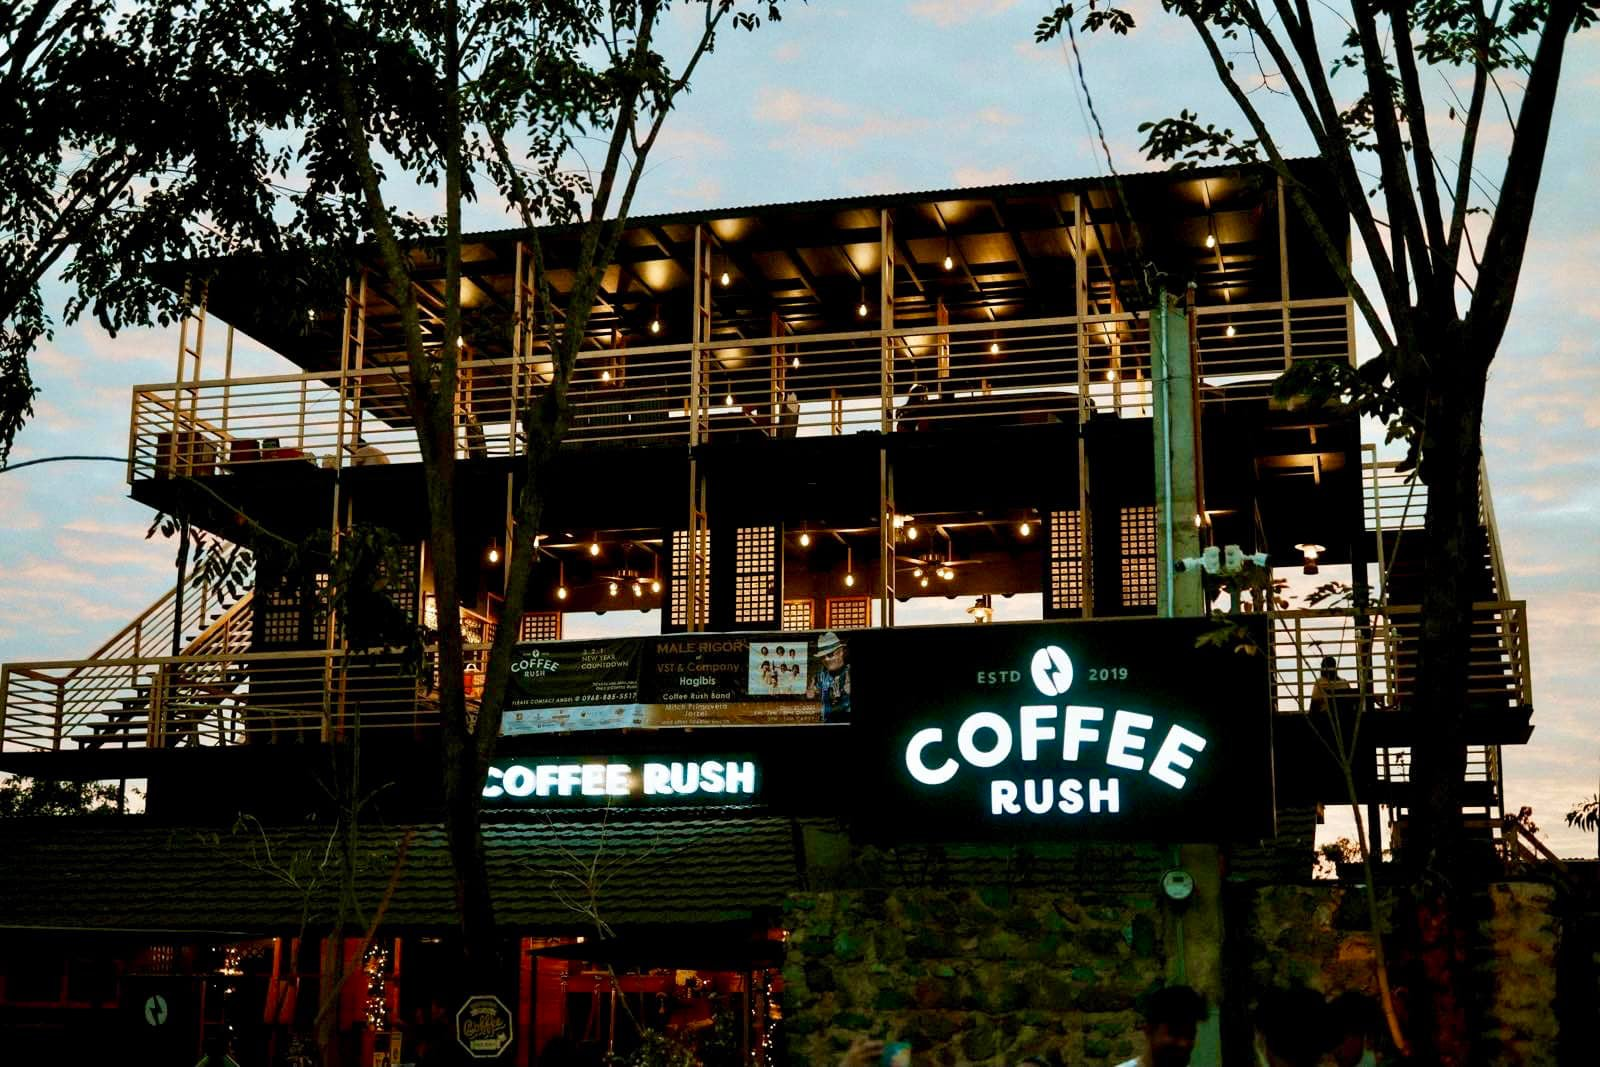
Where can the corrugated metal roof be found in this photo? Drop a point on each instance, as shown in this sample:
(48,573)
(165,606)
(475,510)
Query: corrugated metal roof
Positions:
(122,874)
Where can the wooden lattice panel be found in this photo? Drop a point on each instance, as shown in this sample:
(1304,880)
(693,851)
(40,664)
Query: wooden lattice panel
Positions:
(1066,560)
(849,612)
(679,591)
(798,614)
(1138,545)
(540,626)
(755,574)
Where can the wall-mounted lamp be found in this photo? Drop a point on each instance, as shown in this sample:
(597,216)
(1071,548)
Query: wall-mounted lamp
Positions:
(1309,554)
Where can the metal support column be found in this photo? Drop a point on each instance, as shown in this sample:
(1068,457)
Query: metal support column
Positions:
(886,538)
(1081,310)
(1177,489)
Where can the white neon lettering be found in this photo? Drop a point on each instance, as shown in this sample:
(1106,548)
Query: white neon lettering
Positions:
(617,779)
(490,790)
(1172,754)
(1071,796)
(920,770)
(741,777)
(594,779)
(518,781)
(1073,733)
(1124,742)
(1003,798)
(984,720)
(685,777)
(547,778)
(711,776)
(1106,793)
(568,777)
(1033,730)
(1040,799)
(657,779)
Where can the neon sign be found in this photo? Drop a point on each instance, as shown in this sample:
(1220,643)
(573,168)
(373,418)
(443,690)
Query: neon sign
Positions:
(1071,736)
(606,781)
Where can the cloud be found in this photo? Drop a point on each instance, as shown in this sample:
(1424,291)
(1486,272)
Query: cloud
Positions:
(814,122)
(947,13)
(787,52)
(971,176)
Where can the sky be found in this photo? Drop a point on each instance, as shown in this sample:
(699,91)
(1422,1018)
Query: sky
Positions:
(845,98)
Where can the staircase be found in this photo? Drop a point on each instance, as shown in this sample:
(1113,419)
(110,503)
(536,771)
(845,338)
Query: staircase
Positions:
(118,697)
(1395,506)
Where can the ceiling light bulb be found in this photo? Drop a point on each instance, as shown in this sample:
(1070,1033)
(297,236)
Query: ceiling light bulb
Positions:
(655,325)
(605,376)
(594,548)
(494,554)
(561,592)
(727,401)
(725,280)
(994,348)
(1230,330)
(861,309)
(655,585)
(795,363)
(638,590)
(923,583)
(916,572)
(948,574)
(949,263)
(1199,520)
(1026,529)
(1211,240)
(611,588)
(805,540)
(1111,375)
(849,579)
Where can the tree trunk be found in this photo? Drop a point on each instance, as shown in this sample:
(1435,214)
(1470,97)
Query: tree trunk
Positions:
(1435,847)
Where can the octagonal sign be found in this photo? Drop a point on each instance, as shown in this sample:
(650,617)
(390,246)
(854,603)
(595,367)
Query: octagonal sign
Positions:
(484,1027)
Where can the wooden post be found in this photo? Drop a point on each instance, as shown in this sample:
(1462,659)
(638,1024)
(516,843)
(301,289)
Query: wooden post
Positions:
(886,320)
(1283,276)
(1080,254)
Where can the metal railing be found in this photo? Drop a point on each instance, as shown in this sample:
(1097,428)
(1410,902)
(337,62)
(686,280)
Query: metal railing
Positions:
(213,699)
(904,379)
(1378,653)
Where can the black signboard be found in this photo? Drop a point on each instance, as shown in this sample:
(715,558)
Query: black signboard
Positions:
(1133,729)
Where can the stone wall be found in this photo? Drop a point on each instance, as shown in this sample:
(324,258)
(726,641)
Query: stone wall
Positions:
(1320,936)
(982,976)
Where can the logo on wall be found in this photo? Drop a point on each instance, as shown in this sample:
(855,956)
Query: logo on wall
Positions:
(1052,670)
(1058,759)
(484,1027)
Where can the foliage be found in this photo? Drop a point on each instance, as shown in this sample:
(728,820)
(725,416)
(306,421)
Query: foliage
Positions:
(1586,815)
(23,797)
(657,1049)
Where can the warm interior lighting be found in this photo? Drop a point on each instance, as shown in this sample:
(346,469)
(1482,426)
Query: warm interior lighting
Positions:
(594,547)
(605,376)
(923,583)
(655,321)
(795,363)
(561,592)
(849,567)
(1211,240)
(727,401)
(805,539)
(849,580)
(949,263)
(1025,528)
(725,280)
(861,309)
(611,588)
(994,348)
(1111,375)
(493,554)
(561,582)
(655,585)
(1309,554)
(947,573)
(949,260)
(916,572)
(982,609)
(1230,330)
(638,589)
(911,533)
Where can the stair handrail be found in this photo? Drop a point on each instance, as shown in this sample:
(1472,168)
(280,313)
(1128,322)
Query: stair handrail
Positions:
(1502,589)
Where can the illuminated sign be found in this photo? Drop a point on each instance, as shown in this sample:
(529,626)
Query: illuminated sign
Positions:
(601,781)
(1107,729)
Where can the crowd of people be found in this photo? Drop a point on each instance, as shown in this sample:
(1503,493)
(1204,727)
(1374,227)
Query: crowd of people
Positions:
(1293,1028)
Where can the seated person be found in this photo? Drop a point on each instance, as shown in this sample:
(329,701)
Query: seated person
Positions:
(368,454)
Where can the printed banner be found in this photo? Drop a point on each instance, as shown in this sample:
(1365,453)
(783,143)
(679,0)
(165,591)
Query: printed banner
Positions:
(680,680)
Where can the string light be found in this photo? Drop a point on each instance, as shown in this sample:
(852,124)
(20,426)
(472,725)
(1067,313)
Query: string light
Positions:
(376,965)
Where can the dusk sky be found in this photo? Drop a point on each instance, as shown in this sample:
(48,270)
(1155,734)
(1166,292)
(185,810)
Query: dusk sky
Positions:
(856,98)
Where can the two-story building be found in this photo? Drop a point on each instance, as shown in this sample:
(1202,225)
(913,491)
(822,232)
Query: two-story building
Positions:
(875,564)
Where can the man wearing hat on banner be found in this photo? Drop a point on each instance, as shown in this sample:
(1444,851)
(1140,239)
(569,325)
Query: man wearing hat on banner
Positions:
(832,683)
